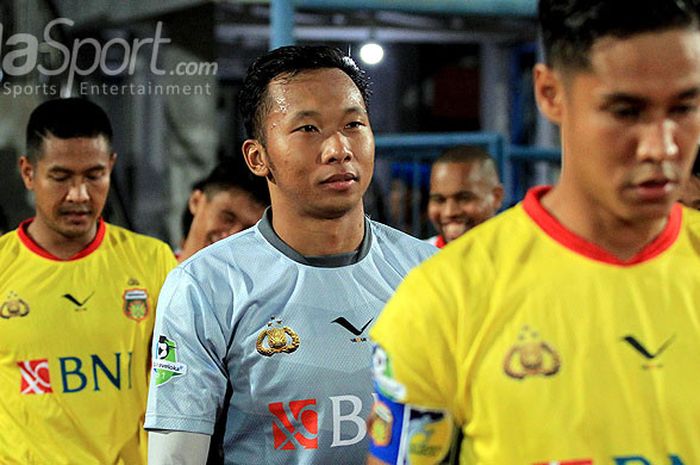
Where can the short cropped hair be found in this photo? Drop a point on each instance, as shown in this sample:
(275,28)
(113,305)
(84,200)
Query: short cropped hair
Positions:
(569,28)
(65,119)
(228,174)
(289,61)
(464,154)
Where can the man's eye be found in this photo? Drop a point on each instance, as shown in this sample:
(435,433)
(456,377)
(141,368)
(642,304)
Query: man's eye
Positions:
(306,128)
(355,124)
(684,109)
(58,178)
(626,112)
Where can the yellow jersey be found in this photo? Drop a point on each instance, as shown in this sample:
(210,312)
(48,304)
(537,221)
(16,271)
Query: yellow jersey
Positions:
(546,349)
(74,348)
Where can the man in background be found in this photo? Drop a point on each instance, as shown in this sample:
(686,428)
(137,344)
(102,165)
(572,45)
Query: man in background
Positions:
(230,199)
(464,191)
(77,303)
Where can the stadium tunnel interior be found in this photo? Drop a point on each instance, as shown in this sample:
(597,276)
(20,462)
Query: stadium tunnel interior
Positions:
(168,74)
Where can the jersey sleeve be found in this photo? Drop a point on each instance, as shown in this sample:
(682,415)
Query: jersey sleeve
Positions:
(188,377)
(423,335)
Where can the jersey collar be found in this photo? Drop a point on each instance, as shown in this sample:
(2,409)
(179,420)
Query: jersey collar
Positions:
(37,249)
(553,228)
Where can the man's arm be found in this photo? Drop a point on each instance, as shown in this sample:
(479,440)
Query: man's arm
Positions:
(177,448)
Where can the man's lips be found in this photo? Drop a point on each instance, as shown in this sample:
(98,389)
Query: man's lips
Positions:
(340,181)
(340,177)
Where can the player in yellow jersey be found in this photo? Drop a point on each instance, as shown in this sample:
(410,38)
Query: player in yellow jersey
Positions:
(567,329)
(77,304)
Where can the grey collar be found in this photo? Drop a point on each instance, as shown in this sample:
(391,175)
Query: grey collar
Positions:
(321,261)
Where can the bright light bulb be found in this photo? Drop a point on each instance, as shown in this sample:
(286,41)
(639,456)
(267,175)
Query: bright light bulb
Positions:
(371,53)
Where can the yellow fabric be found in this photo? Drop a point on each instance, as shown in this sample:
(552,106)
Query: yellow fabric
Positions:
(465,330)
(100,423)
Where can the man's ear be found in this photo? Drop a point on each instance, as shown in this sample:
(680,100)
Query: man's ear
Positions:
(256,158)
(195,201)
(27,172)
(112,160)
(497,193)
(549,92)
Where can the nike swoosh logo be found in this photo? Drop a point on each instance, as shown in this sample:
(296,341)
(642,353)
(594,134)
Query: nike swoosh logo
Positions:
(636,345)
(350,327)
(76,301)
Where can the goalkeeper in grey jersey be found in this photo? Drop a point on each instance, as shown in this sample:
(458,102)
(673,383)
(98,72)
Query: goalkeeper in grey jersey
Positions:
(260,347)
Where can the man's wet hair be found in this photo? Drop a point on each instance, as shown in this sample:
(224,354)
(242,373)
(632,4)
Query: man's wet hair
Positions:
(65,118)
(286,62)
(569,28)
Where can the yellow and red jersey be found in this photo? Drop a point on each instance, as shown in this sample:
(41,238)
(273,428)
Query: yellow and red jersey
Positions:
(545,348)
(74,347)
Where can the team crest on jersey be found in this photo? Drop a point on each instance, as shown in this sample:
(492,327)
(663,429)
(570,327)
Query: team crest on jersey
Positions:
(166,366)
(276,338)
(14,306)
(531,356)
(136,304)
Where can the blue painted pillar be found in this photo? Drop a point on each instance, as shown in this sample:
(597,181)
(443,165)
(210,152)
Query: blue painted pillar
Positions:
(281,23)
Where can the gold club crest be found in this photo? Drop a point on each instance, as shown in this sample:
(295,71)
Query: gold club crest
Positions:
(136,304)
(13,307)
(279,339)
(531,356)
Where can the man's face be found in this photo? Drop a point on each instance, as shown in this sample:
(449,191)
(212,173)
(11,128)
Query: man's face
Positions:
(690,195)
(70,181)
(221,214)
(462,195)
(319,147)
(630,124)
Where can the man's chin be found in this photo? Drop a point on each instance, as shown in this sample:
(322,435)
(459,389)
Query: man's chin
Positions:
(452,233)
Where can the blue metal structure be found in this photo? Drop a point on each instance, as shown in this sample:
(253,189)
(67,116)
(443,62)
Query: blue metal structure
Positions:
(282,11)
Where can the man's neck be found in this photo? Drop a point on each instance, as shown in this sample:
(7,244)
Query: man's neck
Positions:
(623,239)
(56,244)
(312,236)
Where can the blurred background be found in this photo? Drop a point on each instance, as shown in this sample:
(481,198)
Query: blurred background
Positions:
(168,72)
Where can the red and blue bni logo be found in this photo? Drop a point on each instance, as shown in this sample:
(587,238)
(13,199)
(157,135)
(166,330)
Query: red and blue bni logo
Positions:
(296,425)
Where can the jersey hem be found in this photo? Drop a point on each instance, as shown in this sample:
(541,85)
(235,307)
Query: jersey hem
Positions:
(185,424)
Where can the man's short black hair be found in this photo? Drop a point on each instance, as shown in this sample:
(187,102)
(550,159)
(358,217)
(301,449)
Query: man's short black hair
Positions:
(570,27)
(229,173)
(289,61)
(65,119)
(464,154)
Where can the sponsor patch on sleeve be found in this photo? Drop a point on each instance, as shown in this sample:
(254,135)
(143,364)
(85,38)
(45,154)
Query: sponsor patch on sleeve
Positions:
(384,380)
(165,364)
(403,434)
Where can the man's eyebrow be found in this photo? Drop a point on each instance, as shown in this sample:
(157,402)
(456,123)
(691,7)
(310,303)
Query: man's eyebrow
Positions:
(690,93)
(623,97)
(315,114)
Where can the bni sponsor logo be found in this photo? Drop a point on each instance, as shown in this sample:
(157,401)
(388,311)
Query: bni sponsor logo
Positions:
(298,429)
(35,376)
(295,423)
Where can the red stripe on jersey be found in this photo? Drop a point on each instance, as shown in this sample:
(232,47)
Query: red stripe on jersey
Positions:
(37,249)
(557,231)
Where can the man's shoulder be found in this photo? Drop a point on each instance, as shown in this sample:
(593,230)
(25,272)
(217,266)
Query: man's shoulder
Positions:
(120,236)
(391,238)
(9,242)
(242,248)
